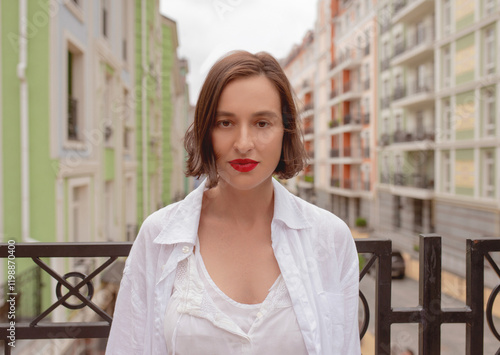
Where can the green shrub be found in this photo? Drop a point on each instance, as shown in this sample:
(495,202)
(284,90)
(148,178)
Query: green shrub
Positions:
(360,222)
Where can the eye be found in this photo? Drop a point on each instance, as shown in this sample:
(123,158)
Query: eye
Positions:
(262,124)
(223,123)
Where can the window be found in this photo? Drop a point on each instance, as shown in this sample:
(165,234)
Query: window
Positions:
(489,113)
(420,125)
(125,28)
(489,51)
(79,213)
(446,16)
(446,172)
(489,7)
(108,210)
(421,78)
(75,89)
(420,33)
(107,117)
(446,67)
(446,120)
(488,174)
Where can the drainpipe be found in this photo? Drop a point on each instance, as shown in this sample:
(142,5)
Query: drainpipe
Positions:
(21,74)
(144,110)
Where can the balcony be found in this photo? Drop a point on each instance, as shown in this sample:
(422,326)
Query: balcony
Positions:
(398,6)
(309,130)
(335,182)
(366,152)
(416,95)
(416,185)
(366,118)
(350,59)
(334,153)
(385,64)
(366,185)
(333,123)
(367,50)
(333,94)
(384,139)
(399,92)
(408,11)
(385,102)
(385,27)
(418,48)
(366,84)
(399,48)
(352,119)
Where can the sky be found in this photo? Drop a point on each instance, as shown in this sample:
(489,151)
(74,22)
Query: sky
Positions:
(207,29)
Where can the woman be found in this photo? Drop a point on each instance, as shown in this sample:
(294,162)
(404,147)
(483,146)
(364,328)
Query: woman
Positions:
(240,266)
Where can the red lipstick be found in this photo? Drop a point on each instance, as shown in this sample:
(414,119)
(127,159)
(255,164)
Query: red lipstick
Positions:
(243,165)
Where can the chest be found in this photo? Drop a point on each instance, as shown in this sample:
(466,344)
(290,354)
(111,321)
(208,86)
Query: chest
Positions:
(240,262)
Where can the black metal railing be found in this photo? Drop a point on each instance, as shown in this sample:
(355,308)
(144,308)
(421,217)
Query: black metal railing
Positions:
(428,314)
(38,327)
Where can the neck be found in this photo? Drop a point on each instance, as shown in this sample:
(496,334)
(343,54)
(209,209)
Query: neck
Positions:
(245,207)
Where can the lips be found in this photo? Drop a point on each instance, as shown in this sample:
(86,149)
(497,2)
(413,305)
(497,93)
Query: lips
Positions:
(243,165)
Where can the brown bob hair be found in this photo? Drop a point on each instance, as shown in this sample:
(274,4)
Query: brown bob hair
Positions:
(198,139)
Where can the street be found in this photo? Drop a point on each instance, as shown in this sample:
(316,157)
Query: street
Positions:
(405,294)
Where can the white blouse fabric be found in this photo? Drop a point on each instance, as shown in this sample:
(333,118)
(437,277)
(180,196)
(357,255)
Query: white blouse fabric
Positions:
(315,252)
(201,319)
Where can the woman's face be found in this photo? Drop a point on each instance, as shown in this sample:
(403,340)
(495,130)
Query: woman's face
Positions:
(248,133)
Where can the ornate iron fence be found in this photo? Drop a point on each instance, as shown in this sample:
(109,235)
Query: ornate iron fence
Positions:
(429,314)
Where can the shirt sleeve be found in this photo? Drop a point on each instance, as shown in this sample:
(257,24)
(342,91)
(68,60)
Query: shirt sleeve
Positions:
(350,287)
(130,314)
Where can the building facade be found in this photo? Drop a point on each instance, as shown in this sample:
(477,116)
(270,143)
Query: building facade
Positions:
(93,103)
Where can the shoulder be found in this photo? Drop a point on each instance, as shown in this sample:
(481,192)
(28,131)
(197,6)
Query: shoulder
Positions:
(320,218)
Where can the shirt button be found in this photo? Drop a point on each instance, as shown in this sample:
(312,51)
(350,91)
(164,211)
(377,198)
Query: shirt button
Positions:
(259,315)
(186,249)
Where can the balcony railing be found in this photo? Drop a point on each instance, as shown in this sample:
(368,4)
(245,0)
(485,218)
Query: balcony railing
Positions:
(399,48)
(416,180)
(366,84)
(366,186)
(366,152)
(367,50)
(399,92)
(309,130)
(401,136)
(335,182)
(385,102)
(334,153)
(385,64)
(384,139)
(366,118)
(376,253)
(333,93)
(311,154)
(399,5)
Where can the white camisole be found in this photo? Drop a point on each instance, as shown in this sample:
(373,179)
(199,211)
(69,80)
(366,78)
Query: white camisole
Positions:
(201,319)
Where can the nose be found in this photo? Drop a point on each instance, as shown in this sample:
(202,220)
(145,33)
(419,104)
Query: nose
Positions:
(244,141)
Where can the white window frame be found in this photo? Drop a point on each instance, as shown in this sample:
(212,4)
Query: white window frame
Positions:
(447,67)
(447,120)
(446,171)
(446,16)
(489,113)
(489,6)
(84,234)
(489,51)
(488,168)
(71,44)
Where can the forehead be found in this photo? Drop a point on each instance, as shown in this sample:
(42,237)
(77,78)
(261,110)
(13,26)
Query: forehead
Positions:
(255,93)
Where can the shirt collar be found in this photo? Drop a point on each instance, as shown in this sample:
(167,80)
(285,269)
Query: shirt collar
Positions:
(182,225)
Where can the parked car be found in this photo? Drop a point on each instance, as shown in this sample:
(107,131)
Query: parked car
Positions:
(398,265)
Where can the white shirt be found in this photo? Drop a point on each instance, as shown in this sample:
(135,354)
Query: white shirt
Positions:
(201,319)
(314,250)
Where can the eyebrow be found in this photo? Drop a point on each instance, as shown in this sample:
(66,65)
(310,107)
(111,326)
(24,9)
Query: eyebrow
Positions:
(269,114)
